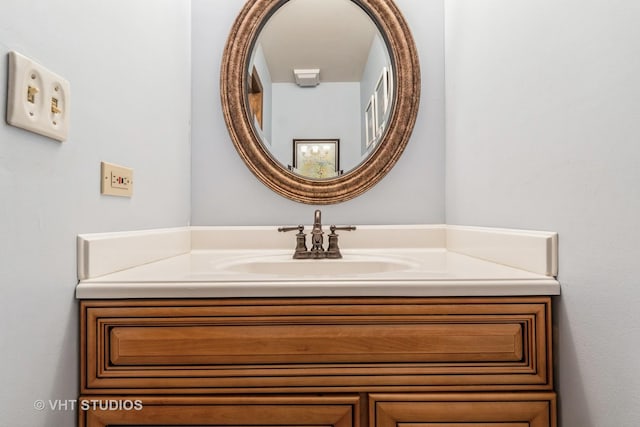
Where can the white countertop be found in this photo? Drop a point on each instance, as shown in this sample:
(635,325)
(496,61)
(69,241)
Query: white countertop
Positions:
(200,262)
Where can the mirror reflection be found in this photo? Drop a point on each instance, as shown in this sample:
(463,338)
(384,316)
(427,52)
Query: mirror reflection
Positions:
(320,87)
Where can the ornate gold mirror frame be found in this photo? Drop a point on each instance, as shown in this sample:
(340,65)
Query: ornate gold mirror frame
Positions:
(234,86)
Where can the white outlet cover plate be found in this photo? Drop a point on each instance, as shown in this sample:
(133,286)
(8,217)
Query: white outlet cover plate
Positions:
(116,180)
(37,115)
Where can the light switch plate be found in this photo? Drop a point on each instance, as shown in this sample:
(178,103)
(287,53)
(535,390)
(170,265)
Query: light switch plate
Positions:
(116,180)
(37,99)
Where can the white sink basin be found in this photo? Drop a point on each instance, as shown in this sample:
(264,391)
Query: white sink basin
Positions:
(317,267)
(239,262)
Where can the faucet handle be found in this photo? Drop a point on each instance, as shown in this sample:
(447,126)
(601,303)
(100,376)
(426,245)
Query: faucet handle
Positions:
(301,241)
(333,251)
(300,228)
(333,228)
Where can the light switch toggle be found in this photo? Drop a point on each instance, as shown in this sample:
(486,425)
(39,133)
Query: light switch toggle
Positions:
(54,106)
(31,94)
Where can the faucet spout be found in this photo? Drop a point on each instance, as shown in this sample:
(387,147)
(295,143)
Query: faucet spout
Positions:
(317,223)
(316,235)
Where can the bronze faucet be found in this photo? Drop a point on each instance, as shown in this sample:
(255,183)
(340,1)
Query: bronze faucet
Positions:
(316,236)
(317,249)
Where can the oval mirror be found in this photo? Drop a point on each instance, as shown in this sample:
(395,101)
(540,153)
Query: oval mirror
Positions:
(320,96)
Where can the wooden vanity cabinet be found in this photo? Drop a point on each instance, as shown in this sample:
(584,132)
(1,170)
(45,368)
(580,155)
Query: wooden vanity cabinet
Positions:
(318,361)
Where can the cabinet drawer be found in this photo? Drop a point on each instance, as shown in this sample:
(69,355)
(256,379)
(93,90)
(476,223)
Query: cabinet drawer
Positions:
(350,344)
(463,410)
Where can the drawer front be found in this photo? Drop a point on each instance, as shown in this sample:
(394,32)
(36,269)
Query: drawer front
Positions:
(463,410)
(315,344)
(141,343)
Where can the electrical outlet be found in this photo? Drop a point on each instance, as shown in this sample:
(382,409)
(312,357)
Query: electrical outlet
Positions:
(116,180)
(37,99)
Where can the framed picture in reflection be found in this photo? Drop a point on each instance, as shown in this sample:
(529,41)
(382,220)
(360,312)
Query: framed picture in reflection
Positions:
(370,126)
(316,158)
(381,102)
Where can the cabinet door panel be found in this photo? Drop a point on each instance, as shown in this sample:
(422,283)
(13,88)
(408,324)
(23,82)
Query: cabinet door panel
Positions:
(490,424)
(499,424)
(273,411)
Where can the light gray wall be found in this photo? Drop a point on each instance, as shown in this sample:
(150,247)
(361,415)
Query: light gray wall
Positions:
(543,132)
(225,192)
(327,111)
(129,69)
